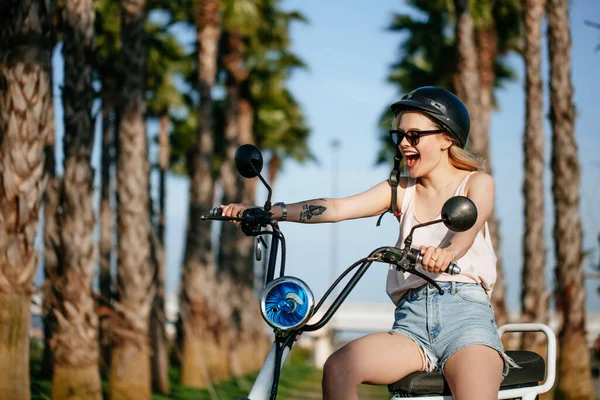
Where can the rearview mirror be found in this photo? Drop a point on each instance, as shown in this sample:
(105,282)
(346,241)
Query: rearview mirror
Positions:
(248,161)
(459,213)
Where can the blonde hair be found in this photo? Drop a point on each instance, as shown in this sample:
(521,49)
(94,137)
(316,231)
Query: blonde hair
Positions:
(458,157)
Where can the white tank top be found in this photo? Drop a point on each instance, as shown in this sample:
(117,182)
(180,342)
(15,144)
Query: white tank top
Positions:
(478,265)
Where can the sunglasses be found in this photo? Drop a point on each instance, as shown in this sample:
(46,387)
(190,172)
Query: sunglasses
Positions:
(412,137)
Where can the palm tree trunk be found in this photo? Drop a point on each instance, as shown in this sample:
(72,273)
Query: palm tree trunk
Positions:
(468,71)
(274,167)
(574,376)
(476,84)
(257,343)
(51,242)
(163,165)
(106,221)
(158,338)
(230,257)
(229,250)
(235,256)
(487,47)
(25,98)
(74,342)
(130,359)
(198,312)
(534,294)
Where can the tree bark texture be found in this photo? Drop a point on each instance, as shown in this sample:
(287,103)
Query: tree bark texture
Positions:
(25,98)
(106,221)
(231,263)
(235,256)
(158,337)
(487,46)
(130,359)
(200,313)
(159,359)
(476,80)
(534,294)
(574,375)
(74,341)
(51,243)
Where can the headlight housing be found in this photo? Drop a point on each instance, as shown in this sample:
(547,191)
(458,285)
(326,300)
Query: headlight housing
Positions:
(287,303)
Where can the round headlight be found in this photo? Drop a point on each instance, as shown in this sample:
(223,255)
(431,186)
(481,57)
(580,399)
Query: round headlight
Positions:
(287,303)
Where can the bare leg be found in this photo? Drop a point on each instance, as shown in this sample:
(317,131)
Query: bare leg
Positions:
(379,358)
(474,372)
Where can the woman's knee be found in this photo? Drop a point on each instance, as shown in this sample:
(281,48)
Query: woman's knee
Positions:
(334,366)
(337,367)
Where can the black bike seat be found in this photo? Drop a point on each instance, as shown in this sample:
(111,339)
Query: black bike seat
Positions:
(532,371)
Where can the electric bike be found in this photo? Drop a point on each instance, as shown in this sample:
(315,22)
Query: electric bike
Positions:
(287,303)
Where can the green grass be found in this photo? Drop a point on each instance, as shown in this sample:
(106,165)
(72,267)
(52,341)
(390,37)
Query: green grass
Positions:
(298,380)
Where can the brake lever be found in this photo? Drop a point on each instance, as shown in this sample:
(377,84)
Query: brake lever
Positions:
(260,242)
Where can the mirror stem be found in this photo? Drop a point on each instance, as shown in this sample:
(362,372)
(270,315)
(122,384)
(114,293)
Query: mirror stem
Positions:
(408,240)
(267,206)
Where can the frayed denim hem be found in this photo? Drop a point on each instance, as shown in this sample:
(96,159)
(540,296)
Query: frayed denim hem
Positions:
(428,360)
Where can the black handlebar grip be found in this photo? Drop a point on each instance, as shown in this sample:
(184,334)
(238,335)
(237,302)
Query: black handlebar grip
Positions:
(216,212)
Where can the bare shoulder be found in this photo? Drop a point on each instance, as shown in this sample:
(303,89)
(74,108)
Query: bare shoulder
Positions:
(480,181)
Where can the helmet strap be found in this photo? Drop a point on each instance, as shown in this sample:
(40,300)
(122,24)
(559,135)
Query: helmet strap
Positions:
(393,181)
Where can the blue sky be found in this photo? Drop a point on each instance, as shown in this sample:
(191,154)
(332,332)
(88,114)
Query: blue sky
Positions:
(349,53)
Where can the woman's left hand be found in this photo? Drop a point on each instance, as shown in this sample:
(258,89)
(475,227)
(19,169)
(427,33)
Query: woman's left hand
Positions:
(435,259)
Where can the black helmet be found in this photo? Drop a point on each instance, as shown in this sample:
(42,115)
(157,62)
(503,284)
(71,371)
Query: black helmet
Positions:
(440,105)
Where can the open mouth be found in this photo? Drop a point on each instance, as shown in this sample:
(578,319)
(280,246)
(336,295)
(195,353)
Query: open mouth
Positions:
(411,159)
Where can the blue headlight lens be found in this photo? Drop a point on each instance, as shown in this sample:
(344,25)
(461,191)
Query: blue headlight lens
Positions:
(287,303)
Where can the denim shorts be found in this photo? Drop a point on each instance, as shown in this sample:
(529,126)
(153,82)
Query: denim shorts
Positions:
(441,325)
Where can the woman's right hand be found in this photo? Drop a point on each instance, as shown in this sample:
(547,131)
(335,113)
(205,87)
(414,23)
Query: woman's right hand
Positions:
(234,210)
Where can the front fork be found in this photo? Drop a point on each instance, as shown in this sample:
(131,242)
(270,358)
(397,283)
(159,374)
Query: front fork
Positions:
(261,390)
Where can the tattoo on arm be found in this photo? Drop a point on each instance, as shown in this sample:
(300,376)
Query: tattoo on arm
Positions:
(309,211)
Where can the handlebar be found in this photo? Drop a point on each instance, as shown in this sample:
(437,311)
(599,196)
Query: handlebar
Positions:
(254,219)
(416,256)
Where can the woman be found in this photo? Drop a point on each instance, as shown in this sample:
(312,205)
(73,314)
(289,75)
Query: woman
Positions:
(454,333)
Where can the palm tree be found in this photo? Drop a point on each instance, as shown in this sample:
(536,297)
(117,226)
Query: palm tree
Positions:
(74,341)
(198,308)
(574,364)
(108,93)
(107,64)
(158,338)
(164,58)
(279,124)
(241,20)
(130,360)
(279,128)
(475,80)
(534,295)
(25,98)
(257,62)
(51,242)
